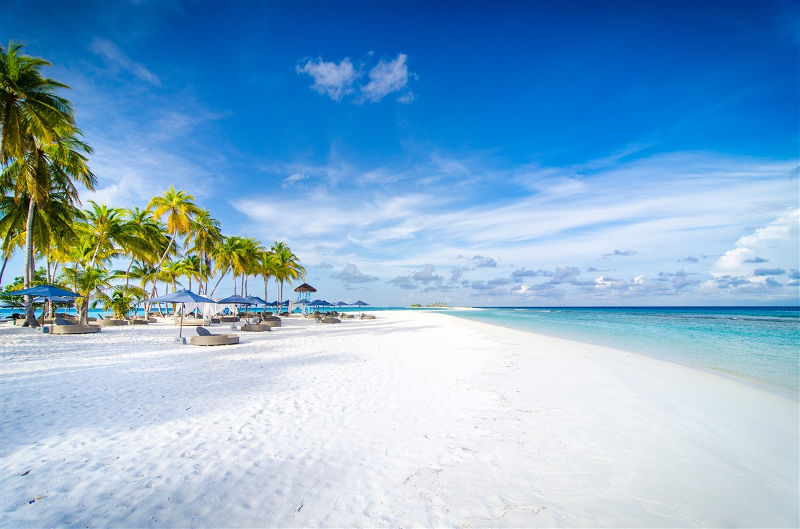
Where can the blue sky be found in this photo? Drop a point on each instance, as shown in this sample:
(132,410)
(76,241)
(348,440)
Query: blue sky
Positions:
(480,153)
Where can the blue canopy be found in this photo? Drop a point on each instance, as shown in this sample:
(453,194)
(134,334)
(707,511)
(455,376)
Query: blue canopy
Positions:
(236,299)
(360,303)
(181,296)
(321,303)
(340,303)
(255,300)
(45,291)
(56,299)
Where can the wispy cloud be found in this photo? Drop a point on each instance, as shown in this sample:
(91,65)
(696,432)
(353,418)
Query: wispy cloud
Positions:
(620,253)
(687,203)
(118,59)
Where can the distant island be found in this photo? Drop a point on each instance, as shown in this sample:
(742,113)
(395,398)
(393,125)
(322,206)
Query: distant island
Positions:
(440,304)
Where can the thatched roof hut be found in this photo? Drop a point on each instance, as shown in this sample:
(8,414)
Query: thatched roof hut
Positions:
(305,287)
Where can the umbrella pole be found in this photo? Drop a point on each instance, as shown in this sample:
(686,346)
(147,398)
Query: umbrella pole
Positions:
(180,332)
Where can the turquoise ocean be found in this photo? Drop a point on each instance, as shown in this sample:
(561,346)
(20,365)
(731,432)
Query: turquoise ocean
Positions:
(757,345)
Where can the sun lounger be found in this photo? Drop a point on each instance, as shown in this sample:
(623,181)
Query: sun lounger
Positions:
(330,319)
(110,322)
(190,322)
(63,326)
(256,327)
(367,317)
(205,337)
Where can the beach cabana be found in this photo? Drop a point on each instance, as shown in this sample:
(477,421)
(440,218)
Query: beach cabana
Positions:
(183,297)
(303,295)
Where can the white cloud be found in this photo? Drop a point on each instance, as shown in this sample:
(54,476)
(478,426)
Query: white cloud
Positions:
(774,238)
(387,77)
(351,274)
(115,57)
(334,79)
(338,80)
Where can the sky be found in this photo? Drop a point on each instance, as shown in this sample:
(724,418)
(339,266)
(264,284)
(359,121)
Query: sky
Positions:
(533,153)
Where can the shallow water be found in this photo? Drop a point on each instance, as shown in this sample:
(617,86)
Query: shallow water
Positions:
(758,344)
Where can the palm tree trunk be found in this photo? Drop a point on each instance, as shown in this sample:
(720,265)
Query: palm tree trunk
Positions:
(161,261)
(29,264)
(127,272)
(3,269)
(218,281)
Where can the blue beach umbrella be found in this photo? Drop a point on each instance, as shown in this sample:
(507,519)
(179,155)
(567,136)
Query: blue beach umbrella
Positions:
(237,300)
(182,297)
(45,291)
(360,304)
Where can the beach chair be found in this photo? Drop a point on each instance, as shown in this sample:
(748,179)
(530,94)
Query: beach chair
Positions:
(206,337)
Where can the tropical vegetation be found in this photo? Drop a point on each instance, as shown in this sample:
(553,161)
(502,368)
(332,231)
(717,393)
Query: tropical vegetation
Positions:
(170,243)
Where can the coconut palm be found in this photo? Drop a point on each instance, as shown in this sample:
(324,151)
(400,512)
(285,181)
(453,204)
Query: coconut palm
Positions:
(31,114)
(105,227)
(87,282)
(204,236)
(170,272)
(193,268)
(41,171)
(287,266)
(145,239)
(122,300)
(224,256)
(267,264)
(180,209)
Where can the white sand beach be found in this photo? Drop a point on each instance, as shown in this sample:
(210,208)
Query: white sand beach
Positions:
(413,419)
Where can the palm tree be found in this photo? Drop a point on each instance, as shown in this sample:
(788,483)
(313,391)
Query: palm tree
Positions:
(249,253)
(193,268)
(170,272)
(267,264)
(44,169)
(287,267)
(180,209)
(224,256)
(204,236)
(145,239)
(105,227)
(38,143)
(30,111)
(87,282)
(122,300)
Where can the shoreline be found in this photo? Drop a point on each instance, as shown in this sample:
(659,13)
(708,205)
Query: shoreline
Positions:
(409,419)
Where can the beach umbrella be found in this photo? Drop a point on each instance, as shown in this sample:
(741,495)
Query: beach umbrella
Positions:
(237,300)
(45,291)
(255,300)
(360,304)
(183,297)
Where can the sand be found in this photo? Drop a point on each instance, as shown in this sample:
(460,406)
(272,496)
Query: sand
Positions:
(413,419)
